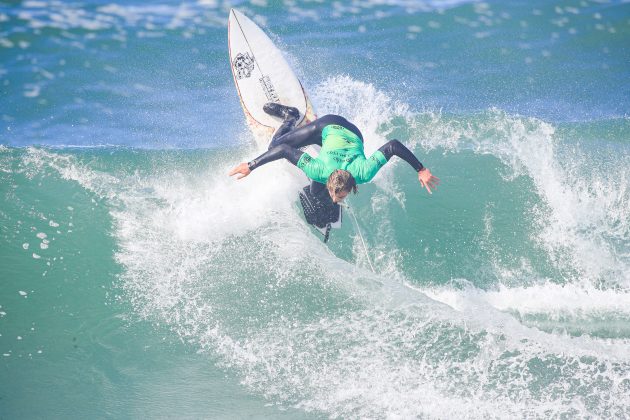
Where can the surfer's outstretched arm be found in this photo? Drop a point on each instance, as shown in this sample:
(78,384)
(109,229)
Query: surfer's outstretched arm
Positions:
(396,148)
(281,151)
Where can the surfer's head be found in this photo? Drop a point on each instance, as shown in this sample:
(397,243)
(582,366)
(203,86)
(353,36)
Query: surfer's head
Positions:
(340,183)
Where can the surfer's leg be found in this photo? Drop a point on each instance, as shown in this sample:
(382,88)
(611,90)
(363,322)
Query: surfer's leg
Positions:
(289,115)
(286,127)
(312,133)
(281,111)
(309,134)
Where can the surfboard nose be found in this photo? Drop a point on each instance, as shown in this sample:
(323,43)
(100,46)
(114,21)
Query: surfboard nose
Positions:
(235,12)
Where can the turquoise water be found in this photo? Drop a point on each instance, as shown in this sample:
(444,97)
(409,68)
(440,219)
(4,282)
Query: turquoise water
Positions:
(138,280)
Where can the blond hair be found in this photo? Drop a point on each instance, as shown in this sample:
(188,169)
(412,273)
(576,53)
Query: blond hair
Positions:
(339,181)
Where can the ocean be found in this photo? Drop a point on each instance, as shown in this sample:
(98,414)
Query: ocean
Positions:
(138,280)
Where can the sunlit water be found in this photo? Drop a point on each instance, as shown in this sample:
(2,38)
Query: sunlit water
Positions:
(138,280)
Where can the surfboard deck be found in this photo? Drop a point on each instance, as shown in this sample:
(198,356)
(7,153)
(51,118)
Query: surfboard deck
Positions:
(261,74)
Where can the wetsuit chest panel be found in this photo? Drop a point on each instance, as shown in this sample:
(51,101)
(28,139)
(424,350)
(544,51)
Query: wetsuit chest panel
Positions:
(338,137)
(341,149)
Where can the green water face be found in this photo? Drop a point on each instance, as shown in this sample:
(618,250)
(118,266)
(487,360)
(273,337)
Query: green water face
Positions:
(71,344)
(157,278)
(161,305)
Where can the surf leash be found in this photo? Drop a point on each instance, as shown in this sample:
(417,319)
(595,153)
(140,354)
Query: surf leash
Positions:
(356,225)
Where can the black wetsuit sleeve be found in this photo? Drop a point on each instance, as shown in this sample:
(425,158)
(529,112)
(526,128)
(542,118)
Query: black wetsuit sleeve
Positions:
(279,152)
(394,147)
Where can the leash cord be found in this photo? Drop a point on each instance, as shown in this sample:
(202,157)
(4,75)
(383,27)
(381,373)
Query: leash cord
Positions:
(356,225)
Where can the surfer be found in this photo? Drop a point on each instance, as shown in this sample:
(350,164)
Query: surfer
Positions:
(341,163)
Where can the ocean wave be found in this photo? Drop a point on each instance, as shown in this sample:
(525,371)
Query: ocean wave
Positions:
(232,269)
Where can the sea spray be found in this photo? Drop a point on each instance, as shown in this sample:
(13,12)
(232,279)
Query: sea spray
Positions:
(168,289)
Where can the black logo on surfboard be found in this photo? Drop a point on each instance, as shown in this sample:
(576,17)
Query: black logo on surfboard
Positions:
(243,65)
(270,91)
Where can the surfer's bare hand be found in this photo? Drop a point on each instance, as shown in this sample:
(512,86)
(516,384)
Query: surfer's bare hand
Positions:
(242,169)
(427,180)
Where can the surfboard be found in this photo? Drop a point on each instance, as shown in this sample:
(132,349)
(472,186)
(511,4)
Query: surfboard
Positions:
(261,74)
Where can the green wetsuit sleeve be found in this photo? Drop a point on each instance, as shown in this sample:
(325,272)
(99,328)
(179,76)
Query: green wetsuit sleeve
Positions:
(366,170)
(314,168)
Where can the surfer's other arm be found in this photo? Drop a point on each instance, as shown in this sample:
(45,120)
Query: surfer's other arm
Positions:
(287,152)
(396,148)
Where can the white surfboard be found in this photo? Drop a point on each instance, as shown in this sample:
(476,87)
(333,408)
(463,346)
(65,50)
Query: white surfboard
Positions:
(262,75)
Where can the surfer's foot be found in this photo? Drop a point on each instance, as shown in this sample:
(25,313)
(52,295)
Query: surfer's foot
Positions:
(281,111)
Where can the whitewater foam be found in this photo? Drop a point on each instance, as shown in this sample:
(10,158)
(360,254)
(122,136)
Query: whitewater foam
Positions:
(232,269)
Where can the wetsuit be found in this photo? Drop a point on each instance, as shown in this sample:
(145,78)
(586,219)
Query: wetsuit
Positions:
(342,148)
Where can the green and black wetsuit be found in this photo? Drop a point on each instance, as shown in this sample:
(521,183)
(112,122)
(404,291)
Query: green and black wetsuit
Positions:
(342,148)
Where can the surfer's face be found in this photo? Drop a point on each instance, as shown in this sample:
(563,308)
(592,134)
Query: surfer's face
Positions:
(337,198)
(339,185)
